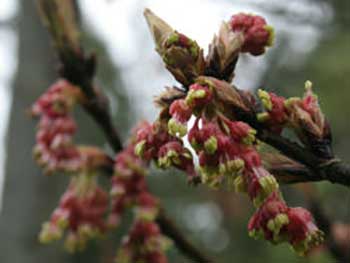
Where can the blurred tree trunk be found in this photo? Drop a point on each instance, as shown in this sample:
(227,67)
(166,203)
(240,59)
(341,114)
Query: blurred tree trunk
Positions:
(28,196)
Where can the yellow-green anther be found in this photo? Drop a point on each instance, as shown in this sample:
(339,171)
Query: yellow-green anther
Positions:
(308,85)
(282,219)
(258,200)
(265,99)
(140,148)
(175,128)
(86,231)
(271,225)
(194,94)
(268,184)
(71,244)
(170,158)
(250,138)
(187,155)
(211,145)
(173,157)
(123,256)
(235,166)
(308,89)
(275,225)
(164,162)
(271,31)
(49,234)
(222,168)
(240,184)
(194,144)
(256,233)
(173,38)
(146,214)
(291,101)
(263,116)
(194,50)
(62,222)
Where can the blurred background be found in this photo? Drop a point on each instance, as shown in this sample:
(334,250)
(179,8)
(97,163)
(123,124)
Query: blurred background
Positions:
(312,42)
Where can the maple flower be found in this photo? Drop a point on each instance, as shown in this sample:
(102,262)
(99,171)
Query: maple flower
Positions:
(257,34)
(144,243)
(81,212)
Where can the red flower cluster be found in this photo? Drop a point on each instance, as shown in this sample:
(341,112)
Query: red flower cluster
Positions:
(257,34)
(81,211)
(54,149)
(129,187)
(180,40)
(155,143)
(276,222)
(144,242)
(83,206)
(302,114)
(227,152)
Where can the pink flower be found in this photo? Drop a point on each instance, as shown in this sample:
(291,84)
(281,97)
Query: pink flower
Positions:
(270,220)
(276,115)
(81,211)
(144,243)
(303,234)
(199,96)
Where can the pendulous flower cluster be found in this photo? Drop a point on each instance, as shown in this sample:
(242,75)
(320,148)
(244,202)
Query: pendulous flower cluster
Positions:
(85,210)
(213,117)
(54,149)
(145,242)
(81,211)
(83,206)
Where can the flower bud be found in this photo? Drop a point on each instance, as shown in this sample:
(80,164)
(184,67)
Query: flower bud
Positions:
(276,115)
(310,124)
(241,132)
(302,232)
(223,52)
(270,220)
(198,96)
(257,34)
(181,55)
(81,212)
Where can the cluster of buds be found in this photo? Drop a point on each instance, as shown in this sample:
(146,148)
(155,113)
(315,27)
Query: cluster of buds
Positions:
(303,115)
(276,222)
(81,212)
(83,207)
(221,138)
(54,149)
(228,155)
(226,146)
(129,187)
(155,142)
(257,35)
(181,55)
(244,33)
(144,243)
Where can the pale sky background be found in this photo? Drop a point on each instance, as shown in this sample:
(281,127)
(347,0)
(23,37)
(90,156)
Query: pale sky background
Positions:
(121,26)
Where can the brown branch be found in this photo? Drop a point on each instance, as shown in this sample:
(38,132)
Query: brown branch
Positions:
(333,170)
(79,69)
